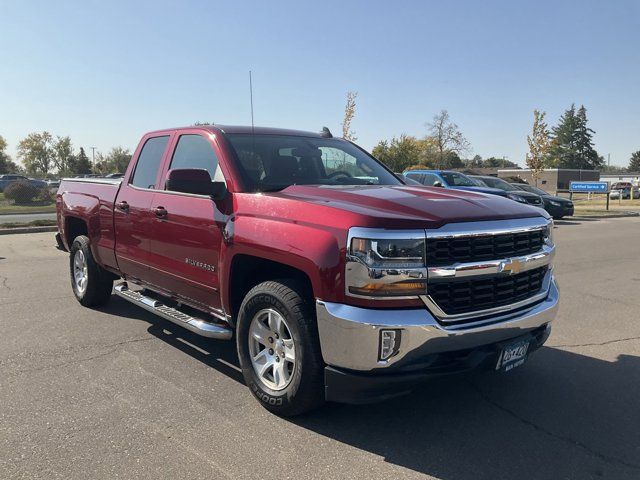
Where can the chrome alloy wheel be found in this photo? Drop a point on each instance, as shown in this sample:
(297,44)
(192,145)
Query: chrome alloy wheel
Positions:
(273,354)
(80,271)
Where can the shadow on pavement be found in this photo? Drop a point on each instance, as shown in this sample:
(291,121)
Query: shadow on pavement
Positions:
(218,354)
(561,415)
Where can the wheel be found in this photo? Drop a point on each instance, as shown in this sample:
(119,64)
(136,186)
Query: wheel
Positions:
(278,348)
(91,284)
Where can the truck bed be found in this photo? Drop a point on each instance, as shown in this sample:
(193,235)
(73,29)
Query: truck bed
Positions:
(91,200)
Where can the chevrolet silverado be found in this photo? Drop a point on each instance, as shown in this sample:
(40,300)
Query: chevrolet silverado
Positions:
(338,281)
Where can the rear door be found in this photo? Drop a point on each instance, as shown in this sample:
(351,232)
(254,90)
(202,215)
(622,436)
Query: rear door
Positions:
(133,218)
(186,240)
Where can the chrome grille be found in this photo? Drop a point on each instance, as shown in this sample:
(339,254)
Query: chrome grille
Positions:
(446,251)
(482,293)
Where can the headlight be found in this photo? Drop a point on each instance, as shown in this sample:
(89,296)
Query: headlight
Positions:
(554,203)
(548,234)
(385,264)
(516,197)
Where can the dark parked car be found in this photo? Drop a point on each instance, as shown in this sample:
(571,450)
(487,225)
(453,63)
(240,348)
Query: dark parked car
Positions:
(512,192)
(557,207)
(452,180)
(114,175)
(8,179)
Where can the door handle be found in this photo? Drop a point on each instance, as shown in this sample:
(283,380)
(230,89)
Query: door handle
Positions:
(124,206)
(161,212)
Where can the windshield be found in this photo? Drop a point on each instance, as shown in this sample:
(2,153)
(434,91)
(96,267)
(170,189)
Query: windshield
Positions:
(498,183)
(455,179)
(274,162)
(532,189)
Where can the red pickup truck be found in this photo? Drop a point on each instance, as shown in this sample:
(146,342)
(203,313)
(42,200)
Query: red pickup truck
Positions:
(338,281)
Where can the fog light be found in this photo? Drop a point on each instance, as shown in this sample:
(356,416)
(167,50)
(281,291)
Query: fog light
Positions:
(389,344)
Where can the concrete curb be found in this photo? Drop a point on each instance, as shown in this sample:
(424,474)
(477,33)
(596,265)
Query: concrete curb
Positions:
(607,215)
(9,231)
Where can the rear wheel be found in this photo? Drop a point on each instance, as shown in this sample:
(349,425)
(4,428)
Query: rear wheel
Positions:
(91,283)
(278,348)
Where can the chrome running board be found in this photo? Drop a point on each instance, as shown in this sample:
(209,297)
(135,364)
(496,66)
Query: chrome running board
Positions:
(193,324)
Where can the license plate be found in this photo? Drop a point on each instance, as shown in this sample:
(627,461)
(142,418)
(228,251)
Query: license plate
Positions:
(513,355)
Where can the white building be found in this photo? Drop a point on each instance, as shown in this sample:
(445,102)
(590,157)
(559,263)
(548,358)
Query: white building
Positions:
(633,177)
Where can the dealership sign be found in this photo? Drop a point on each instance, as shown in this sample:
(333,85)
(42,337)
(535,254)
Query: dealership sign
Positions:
(589,187)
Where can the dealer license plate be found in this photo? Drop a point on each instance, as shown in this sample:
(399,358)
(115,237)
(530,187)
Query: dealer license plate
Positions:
(513,355)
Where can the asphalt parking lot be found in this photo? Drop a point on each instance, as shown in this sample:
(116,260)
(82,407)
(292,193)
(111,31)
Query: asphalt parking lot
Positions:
(119,393)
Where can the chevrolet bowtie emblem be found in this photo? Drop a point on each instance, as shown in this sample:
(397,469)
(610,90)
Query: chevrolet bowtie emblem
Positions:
(511,266)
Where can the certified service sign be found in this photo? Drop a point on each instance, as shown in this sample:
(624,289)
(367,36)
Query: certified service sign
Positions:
(589,187)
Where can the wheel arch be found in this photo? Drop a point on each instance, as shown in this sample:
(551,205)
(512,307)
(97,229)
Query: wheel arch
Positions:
(247,271)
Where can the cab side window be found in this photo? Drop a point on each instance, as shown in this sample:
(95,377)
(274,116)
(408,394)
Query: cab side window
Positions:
(430,179)
(149,162)
(195,151)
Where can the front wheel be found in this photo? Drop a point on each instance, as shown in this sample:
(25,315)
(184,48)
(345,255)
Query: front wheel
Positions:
(278,348)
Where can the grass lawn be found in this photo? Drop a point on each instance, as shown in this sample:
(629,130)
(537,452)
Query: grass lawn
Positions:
(7,208)
(582,203)
(35,223)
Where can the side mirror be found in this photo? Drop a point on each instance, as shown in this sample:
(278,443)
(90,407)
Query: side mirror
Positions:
(196,181)
(438,184)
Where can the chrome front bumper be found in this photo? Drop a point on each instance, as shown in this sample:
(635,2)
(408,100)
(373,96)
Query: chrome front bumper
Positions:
(350,336)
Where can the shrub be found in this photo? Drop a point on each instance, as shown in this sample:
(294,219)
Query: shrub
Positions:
(20,192)
(45,196)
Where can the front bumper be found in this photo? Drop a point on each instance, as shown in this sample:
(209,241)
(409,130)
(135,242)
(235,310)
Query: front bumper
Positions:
(350,339)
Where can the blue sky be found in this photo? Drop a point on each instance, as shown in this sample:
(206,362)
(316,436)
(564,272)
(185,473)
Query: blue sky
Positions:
(106,72)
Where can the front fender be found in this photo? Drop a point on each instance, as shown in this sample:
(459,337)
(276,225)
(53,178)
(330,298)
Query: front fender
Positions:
(314,251)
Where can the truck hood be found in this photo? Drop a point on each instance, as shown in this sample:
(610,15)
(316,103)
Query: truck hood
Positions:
(408,206)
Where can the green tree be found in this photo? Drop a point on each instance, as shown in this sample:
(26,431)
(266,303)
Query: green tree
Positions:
(634,162)
(494,162)
(63,154)
(476,161)
(447,139)
(115,161)
(80,164)
(37,153)
(539,145)
(572,142)
(399,153)
(589,158)
(6,164)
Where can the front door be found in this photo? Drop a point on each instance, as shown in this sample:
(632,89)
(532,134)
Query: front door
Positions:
(187,232)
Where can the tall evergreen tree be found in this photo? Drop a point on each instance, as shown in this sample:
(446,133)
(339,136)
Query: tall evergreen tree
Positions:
(81,163)
(562,151)
(634,163)
(572,144)
(587,155)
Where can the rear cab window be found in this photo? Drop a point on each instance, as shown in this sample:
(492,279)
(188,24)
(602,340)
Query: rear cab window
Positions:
(149,162)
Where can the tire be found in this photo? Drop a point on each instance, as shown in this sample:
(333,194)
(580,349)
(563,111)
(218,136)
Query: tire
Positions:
(298,338)
(97,285)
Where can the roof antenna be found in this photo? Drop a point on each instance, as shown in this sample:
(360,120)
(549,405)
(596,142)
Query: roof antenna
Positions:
(251,97)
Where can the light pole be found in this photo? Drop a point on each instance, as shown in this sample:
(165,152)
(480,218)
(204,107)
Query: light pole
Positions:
(93,159)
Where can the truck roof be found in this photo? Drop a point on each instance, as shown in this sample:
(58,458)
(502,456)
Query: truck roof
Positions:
(246,129)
